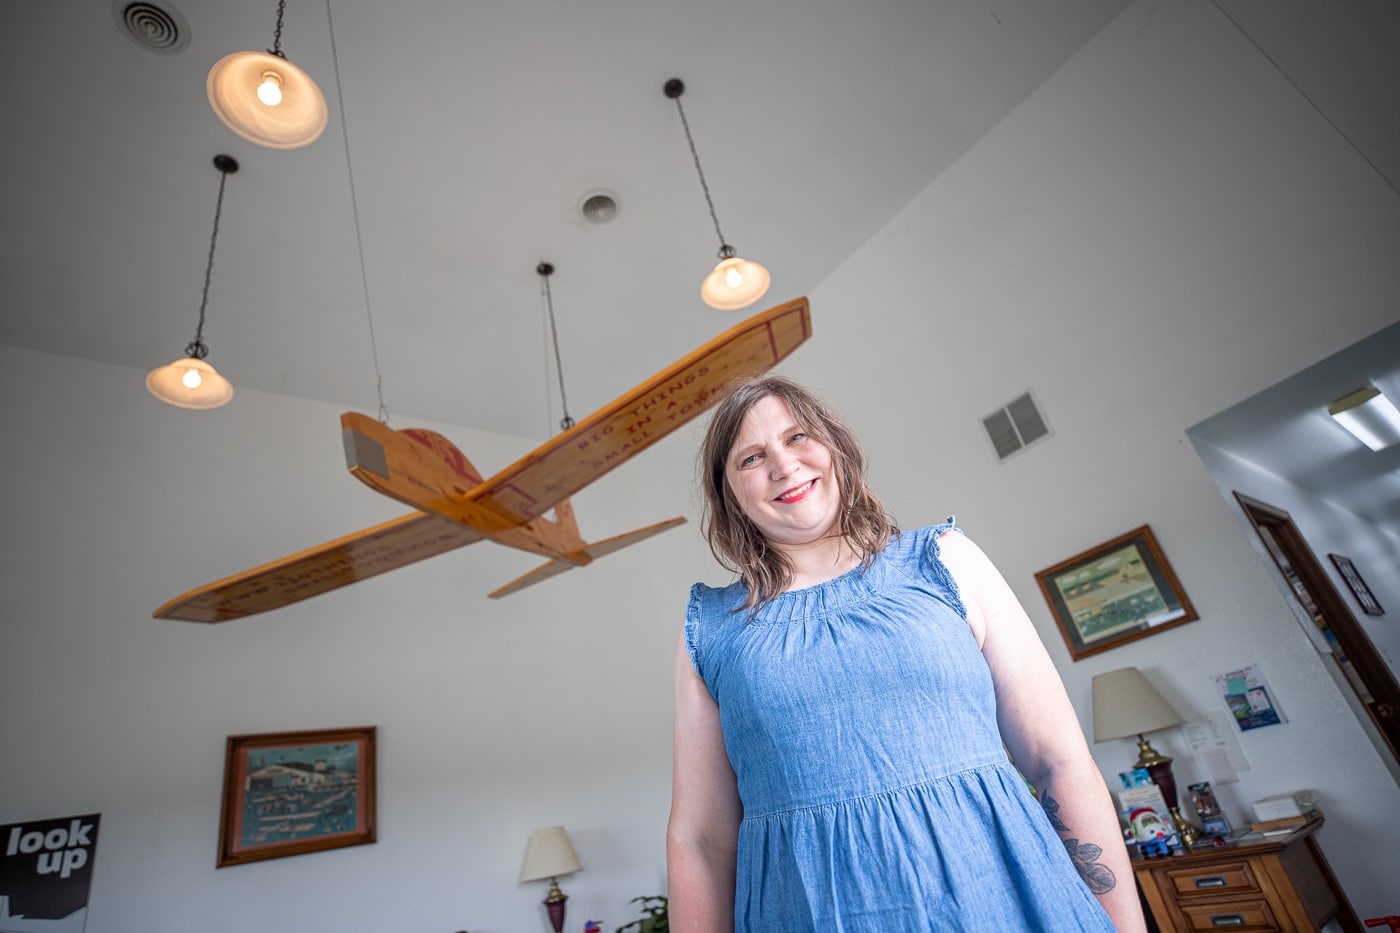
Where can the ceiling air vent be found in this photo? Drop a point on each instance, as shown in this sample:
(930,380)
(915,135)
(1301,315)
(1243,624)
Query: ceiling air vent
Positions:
(1015,426)
(599,206)
(158,29)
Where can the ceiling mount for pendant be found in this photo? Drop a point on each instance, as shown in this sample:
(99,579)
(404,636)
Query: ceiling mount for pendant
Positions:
(734,282)
(190,382)
(266,99)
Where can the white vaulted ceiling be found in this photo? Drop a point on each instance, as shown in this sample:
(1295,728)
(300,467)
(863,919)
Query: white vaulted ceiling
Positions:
(474,129)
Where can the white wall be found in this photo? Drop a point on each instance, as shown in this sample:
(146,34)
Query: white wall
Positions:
(495,717)
(1163,228)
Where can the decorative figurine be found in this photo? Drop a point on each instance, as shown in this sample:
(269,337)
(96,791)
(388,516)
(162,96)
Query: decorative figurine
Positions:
(1151,833)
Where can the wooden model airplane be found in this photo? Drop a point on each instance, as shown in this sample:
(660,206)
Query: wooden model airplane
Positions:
(425,470)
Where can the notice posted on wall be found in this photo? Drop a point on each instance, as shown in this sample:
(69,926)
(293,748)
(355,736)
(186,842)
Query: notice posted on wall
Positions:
(46,873)
(1248,698)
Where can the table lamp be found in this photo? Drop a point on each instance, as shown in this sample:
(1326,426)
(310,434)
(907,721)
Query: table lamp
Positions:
(550,855)
(1125,704)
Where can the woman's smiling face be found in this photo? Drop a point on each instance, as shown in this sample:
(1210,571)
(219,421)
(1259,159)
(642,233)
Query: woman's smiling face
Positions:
(783,479)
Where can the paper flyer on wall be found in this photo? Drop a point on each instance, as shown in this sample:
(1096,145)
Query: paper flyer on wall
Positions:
(1248,697)
(1215,749)
(46,874)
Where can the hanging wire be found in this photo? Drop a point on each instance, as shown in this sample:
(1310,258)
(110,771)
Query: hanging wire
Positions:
(197,348)
(354,208)
(674,89)
(545,270)
(277,36)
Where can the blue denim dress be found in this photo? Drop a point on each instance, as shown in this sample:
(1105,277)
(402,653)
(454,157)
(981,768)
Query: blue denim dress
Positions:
(860,719)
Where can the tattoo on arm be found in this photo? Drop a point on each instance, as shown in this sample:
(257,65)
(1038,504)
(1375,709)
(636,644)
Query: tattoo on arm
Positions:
(1084,855)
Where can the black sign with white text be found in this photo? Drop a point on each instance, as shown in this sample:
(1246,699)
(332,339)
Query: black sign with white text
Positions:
(46,872)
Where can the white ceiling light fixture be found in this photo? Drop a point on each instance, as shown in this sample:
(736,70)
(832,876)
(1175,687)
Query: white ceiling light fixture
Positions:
(266,99)
(1370,417)
(734,282)
(190,382)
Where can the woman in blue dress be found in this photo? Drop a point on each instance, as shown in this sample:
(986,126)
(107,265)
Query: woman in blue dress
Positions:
(844,711)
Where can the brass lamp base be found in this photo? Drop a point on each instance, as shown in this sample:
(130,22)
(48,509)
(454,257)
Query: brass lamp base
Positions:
(1159,768)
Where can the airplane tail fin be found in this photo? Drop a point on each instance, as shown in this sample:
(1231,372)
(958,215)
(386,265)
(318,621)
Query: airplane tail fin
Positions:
(596,549)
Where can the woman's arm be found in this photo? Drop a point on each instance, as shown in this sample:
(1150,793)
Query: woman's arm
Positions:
(1039,726)
(703,833)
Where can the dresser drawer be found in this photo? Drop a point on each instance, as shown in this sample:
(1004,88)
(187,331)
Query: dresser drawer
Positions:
(1254,916)
(1213,881)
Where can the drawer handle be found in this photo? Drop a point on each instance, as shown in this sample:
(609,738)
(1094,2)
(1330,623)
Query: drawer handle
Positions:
(1214,881)
(1227,920)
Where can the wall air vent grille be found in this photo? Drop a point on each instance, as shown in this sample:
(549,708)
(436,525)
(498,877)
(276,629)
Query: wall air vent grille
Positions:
(1015,426)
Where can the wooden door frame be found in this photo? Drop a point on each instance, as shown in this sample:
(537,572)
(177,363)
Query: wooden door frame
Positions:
(1352,638)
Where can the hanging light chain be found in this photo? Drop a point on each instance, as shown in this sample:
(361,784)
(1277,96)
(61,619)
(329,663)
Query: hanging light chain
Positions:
(545,270)
(197,348)
(674,89)
(277,36)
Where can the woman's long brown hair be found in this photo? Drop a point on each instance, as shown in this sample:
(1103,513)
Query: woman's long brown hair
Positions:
(734,540)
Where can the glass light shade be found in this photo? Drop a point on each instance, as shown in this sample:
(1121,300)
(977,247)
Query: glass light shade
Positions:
(1370,417)
(1126,703)
(171,384)
(716,291)
(296,121)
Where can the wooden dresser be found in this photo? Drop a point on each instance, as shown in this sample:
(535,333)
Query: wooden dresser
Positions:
(1278,883)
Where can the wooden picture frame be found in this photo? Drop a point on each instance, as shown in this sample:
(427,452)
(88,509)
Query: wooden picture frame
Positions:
(289,793)
(1117,592)
(1358,587)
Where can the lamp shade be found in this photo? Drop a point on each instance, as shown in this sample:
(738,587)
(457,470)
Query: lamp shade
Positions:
(734,283)
(549,854)
(1125,704)
(189,383)
(288,114)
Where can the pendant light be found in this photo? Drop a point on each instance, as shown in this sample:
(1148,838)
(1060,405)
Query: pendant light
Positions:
(266,99)
(190,382)
(734,282)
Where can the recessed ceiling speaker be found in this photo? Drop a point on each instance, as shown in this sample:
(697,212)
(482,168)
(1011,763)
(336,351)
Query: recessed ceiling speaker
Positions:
(599,206)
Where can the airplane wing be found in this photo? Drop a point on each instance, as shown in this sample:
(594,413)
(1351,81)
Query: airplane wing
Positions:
(393,544)
(527,489)
(596,549)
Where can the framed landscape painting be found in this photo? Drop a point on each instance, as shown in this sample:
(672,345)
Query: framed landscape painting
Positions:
(289,793)
(1117,592)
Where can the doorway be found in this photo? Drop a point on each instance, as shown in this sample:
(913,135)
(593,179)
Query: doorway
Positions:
(1364,670)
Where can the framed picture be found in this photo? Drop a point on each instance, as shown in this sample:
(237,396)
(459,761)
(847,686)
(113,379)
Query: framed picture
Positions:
(289,793)
(1358,586)
(1115,593)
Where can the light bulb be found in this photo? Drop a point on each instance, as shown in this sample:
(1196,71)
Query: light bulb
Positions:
(734,283)
(191,379)
(270,91)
